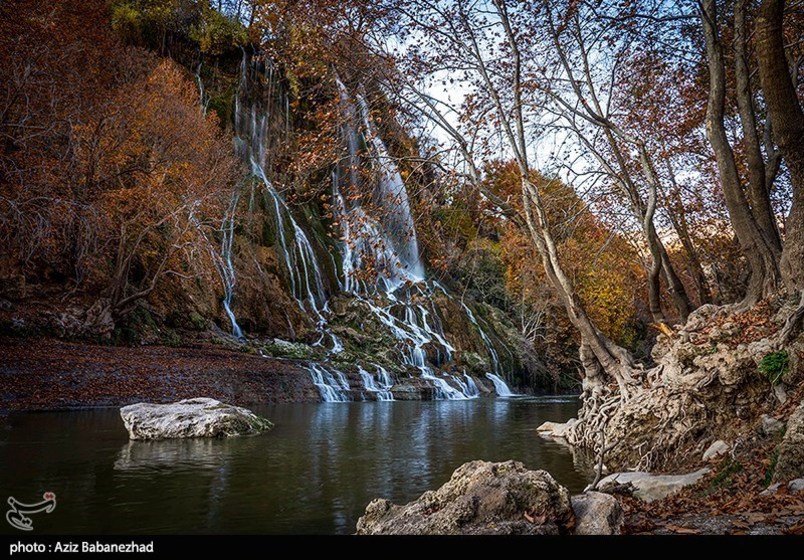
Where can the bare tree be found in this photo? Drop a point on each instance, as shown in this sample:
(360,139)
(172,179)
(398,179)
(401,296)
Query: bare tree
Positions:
(585,108)
(482,43)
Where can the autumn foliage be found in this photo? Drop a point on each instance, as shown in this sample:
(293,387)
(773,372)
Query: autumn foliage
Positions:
(604,267)
(112,178)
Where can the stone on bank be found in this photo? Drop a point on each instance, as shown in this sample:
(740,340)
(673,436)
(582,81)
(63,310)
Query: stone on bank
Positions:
(481,498)
(190,418)
(650,487)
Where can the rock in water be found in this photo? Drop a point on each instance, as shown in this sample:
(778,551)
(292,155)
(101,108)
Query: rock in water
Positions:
(481,498)
(791,452)
(649,487)
(556,430)
(597,513)
(199,417)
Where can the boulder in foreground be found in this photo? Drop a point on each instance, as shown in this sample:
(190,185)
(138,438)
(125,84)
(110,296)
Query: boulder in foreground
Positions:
(481,498)
(597,514)
(198,417)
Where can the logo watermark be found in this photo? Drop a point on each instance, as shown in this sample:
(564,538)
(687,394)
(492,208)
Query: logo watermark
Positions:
(17,515)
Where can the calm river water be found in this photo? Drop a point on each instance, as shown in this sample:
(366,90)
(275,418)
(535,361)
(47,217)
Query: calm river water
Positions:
(314,473)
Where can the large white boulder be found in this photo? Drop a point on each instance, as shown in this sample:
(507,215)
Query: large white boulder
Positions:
(198,417)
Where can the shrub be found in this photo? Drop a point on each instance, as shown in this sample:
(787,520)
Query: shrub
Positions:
(774,366)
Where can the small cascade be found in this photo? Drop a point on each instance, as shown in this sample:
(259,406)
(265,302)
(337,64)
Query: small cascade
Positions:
(385,377)
(471,387)
(332,385)
(500,386)
(370,384)
(414,332)
(203,98)
(443,390)
(226,268)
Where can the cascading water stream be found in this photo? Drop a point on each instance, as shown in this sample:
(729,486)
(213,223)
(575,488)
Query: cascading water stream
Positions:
(332,385)
(379,387)
(296,251)
(227,270)
(474,391)
(500,386)
(223,261)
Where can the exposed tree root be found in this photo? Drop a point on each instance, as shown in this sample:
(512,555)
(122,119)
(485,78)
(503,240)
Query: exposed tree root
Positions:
(706,386)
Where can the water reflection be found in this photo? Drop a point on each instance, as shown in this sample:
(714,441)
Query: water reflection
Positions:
(182,454)
(314,473)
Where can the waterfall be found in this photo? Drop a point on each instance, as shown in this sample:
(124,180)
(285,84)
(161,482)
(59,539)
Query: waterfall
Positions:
(380,262)
(332,385)
(386,241)
(223,262)
(381,391)
(203,98)
(471,386)
(391,195)
(294,247)
(387,244)
(500,386)
(226,268)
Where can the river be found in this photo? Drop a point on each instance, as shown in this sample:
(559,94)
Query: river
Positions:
(314,473)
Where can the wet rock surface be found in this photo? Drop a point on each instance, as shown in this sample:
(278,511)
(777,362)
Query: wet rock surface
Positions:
(791,450)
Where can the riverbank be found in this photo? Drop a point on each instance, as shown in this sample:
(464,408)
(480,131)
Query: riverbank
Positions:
(51,374)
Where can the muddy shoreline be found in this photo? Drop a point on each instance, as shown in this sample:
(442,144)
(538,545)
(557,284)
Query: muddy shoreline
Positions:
(49,374)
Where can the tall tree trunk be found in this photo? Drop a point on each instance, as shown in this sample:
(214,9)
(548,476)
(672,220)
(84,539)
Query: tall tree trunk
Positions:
(788,131)
(655,286)
(763,264)
(758,187)
(678,293)
(679,221)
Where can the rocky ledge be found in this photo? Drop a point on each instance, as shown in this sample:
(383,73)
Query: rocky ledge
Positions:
(198,417)
(483,498)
